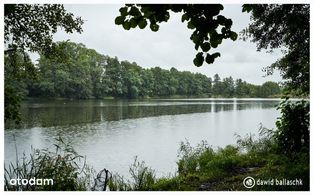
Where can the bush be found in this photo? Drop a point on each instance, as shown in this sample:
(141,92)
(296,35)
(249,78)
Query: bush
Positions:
(293,131)
(61,165)
(191,159)
(167,184)
(206,162)
(143,178)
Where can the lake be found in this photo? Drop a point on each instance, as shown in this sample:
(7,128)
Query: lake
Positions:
(110,133)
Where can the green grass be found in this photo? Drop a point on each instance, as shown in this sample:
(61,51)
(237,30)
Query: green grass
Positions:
(63,165)
(202,168)
(199,168)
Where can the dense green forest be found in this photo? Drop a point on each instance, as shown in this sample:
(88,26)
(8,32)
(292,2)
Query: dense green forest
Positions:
(83,73)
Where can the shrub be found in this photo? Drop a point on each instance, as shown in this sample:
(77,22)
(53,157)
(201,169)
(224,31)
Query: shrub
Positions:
(143,178)
(206,162)
(62,166)
(191,159)
(293,131)
(117,183)
(167,184)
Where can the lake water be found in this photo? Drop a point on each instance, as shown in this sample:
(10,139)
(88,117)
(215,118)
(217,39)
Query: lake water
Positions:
(110,133)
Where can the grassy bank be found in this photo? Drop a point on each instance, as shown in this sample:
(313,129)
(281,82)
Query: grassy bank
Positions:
(275,155)
(202,168)
(198,168)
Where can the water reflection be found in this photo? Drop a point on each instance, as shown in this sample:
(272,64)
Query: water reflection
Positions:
(66,112)
(111,132)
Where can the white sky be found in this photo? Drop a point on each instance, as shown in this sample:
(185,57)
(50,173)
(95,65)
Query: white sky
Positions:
(171,45)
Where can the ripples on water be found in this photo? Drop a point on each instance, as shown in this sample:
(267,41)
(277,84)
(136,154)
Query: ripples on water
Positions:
(111,132)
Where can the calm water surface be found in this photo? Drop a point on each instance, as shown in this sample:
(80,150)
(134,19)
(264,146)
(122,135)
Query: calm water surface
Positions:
(112,132)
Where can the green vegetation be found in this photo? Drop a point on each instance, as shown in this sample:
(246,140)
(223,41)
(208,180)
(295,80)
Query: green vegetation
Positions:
(87,74)
(199,168)
(24,32)
(281,26)
(203,19)
(64,166)
(203,168)
(30,27)
(18,71)
(276,154)
(73,71)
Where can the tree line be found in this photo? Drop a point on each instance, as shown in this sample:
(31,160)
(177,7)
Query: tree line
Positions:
(82,73)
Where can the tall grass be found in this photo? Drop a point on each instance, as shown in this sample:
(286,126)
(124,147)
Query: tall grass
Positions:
(199,167)
(64,166)
(142,178)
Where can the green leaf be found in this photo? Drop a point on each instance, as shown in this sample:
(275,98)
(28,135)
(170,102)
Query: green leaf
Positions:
(196,38)
(123,11)
(221,19)
(233,36)
(247,8)
(214,43)
(142,24)
(133,23)
(196,46)
(134,11)
(205,46)
(199,59)
(119,20)
(228,23)
(127,25)
(154,27)
(215,39)
(209,59)
(190,25)
(184,18)
(215,55)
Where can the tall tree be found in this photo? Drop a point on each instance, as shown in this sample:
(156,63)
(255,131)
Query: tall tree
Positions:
(88,74)
(285,26)
(228,87)
(217,87)
(80,76)
(30,27)
(18,71)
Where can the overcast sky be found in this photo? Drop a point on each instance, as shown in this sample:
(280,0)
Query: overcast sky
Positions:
(171,45)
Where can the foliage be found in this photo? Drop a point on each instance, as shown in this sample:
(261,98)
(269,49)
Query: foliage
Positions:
(142,178)
(30,27)
(203,19)
(264,145)
(204,161)
(269,87)
(88,74)
(61,165)
(281,167)
(18,70)
(282,26)
(80,76)
(293,133)
(203,168)
(118,183)
(199,168)
(167,184)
